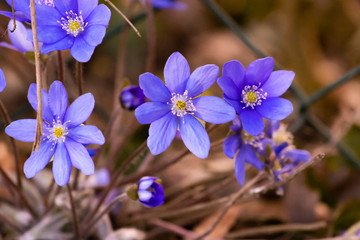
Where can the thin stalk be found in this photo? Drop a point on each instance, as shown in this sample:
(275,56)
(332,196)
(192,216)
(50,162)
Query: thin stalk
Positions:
(151,37)
(113,181)
(153,169)
(13,15)
(125,18)
(10,224)
(20,193)
(272,229)
(173,228)
(108,208)
(7,119)
(39,120)
(61,67)
(73,211)
(231,202)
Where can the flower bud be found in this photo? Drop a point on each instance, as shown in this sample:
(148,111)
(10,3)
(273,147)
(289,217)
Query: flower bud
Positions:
(131,97)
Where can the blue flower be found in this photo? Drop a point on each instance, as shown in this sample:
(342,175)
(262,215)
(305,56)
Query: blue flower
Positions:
(175,106)
(245,146)
(2,80)
(64,134)
(162,4)
(150,192)
(286,157)
(131,97)
(18,38)
(78,25)
(22,9)
(254,93)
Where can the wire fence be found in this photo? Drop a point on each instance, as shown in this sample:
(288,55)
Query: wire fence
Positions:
(306,116)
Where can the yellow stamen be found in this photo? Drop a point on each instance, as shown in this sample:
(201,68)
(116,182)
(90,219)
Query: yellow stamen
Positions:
(181,105)
(251,96)
(58,132)
(74,26)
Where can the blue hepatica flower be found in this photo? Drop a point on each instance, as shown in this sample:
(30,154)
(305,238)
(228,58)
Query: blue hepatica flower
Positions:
(162,4)
(131,97)
(78,25)
(150,192)
(286,157)
(22,9)
(64,134)
(254,93)
(174,106)
(18,38)
(245,146)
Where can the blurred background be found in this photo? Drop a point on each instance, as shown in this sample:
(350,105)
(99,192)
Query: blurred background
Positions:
(317,39)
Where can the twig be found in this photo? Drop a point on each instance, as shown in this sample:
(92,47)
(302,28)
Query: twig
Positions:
(13,15)
(297,171)
(39,125)
(10,223)
(122,15)
(7,119)
(230,202)
(151,37)
(108,208)
(20,193)
(173,228)
(79,77)
(153,169)
(113,181)
(271,229)
(73,211)
(61,67)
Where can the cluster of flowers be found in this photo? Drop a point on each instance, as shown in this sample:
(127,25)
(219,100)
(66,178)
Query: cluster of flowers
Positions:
(176,106)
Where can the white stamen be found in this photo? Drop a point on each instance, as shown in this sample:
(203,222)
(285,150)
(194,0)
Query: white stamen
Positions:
(252,96)
(73,24)
(57,132)
(181,104)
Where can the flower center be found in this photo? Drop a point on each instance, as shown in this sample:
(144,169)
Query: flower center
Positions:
(73,24)
(57,132)
(252,96)
(181,104)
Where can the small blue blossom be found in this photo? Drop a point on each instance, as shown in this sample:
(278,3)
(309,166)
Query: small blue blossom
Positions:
(2,80)
(64,134)
(18,38)
(286,157)
(22,9)
(163,4)
(254,93)
(78,25)
(131,97)
(176,106)
(245,147)
(150,192)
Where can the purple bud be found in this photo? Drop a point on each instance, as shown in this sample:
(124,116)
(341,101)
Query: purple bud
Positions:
(150,192)
(131,97)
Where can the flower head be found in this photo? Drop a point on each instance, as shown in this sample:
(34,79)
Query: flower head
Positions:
(64,134)
(176,105)
(150,192)
(285,157)
(254,93)
(78,25)
(245,146)
(131,97)
(18,38)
